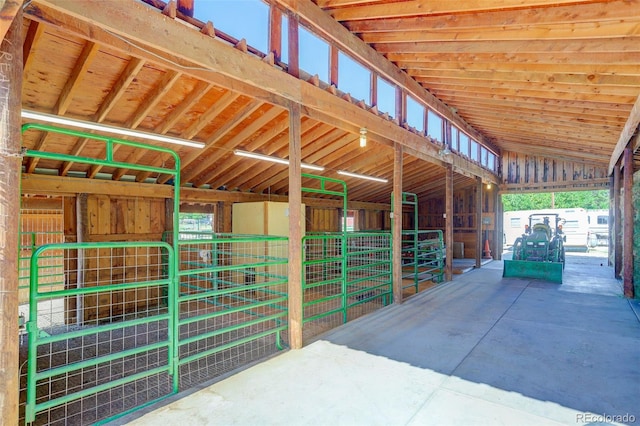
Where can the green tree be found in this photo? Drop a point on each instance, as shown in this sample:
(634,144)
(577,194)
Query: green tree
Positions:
(589,200)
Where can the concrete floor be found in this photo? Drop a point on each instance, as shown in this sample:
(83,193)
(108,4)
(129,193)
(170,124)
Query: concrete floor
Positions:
(479,350)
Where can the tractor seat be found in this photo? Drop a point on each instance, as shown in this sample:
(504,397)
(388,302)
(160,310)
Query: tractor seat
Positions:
(541,228)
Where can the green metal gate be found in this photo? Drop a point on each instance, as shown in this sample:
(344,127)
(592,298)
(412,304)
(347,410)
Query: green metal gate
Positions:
(423,251)
(345,274)
(232,302)
(114,327)
(116,355)
(100,343)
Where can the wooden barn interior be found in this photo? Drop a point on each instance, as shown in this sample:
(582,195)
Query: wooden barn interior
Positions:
(119,117)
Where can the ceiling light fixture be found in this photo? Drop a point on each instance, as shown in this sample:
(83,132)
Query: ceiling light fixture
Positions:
(363,137)
(275,159)
(88,125)
(376,179)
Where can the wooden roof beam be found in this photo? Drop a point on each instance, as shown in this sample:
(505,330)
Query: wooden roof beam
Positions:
(148,31)
(198,174)
(630,128)
(231,165)
(146,105)
(599,11)
(429,7)
(331,30)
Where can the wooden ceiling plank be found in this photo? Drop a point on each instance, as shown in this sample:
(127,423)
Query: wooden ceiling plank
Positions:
(429,7)
(546,31)
(263,170)
(601,70)
(237,168)
(628,44)
(187,103)
(79,71)
(118,89)
(230,124)
(600,11)
(207,117)
(522,76)
(553,117)
(174,116)
(619,95)
(608,109)
(151,99)
(126,77)
(146,105)
(34,32)
(234,164)
(609,94)
(540,95)
(539,120)
(523,57)
(246,133)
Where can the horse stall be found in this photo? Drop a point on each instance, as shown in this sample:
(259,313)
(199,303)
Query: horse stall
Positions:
(119,309)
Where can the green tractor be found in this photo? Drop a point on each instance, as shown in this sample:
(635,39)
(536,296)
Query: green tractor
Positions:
(539,252)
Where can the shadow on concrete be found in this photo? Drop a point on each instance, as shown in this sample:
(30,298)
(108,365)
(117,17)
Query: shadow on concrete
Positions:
(575,344)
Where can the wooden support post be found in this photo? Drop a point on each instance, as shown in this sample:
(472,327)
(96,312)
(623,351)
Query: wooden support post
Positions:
(168,215)
(397,224)
(186,7)
(449,222)
(617,235)
(499,209)
(10,163)
(294,58)
(333,64)
(8,11)
(224,212)
(627,233)
(610,226)
(295,229)
(479,239)
(497,236)
(275,33)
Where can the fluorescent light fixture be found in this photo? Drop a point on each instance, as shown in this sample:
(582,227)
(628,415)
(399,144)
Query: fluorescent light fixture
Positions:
(275,159)
(87,125)
(363,137)
(356,175)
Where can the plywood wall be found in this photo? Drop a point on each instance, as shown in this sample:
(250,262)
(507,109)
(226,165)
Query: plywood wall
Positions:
(374,220)
(522,172)
(110,219)
(322,219)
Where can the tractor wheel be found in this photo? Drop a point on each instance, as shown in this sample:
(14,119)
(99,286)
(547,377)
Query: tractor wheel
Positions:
(517,249)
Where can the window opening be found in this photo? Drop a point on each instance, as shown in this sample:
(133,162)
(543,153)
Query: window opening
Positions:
(434,126)
(253,27)
(415,114)
(314,54)
(386,97)
(353,78)
(349,221)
